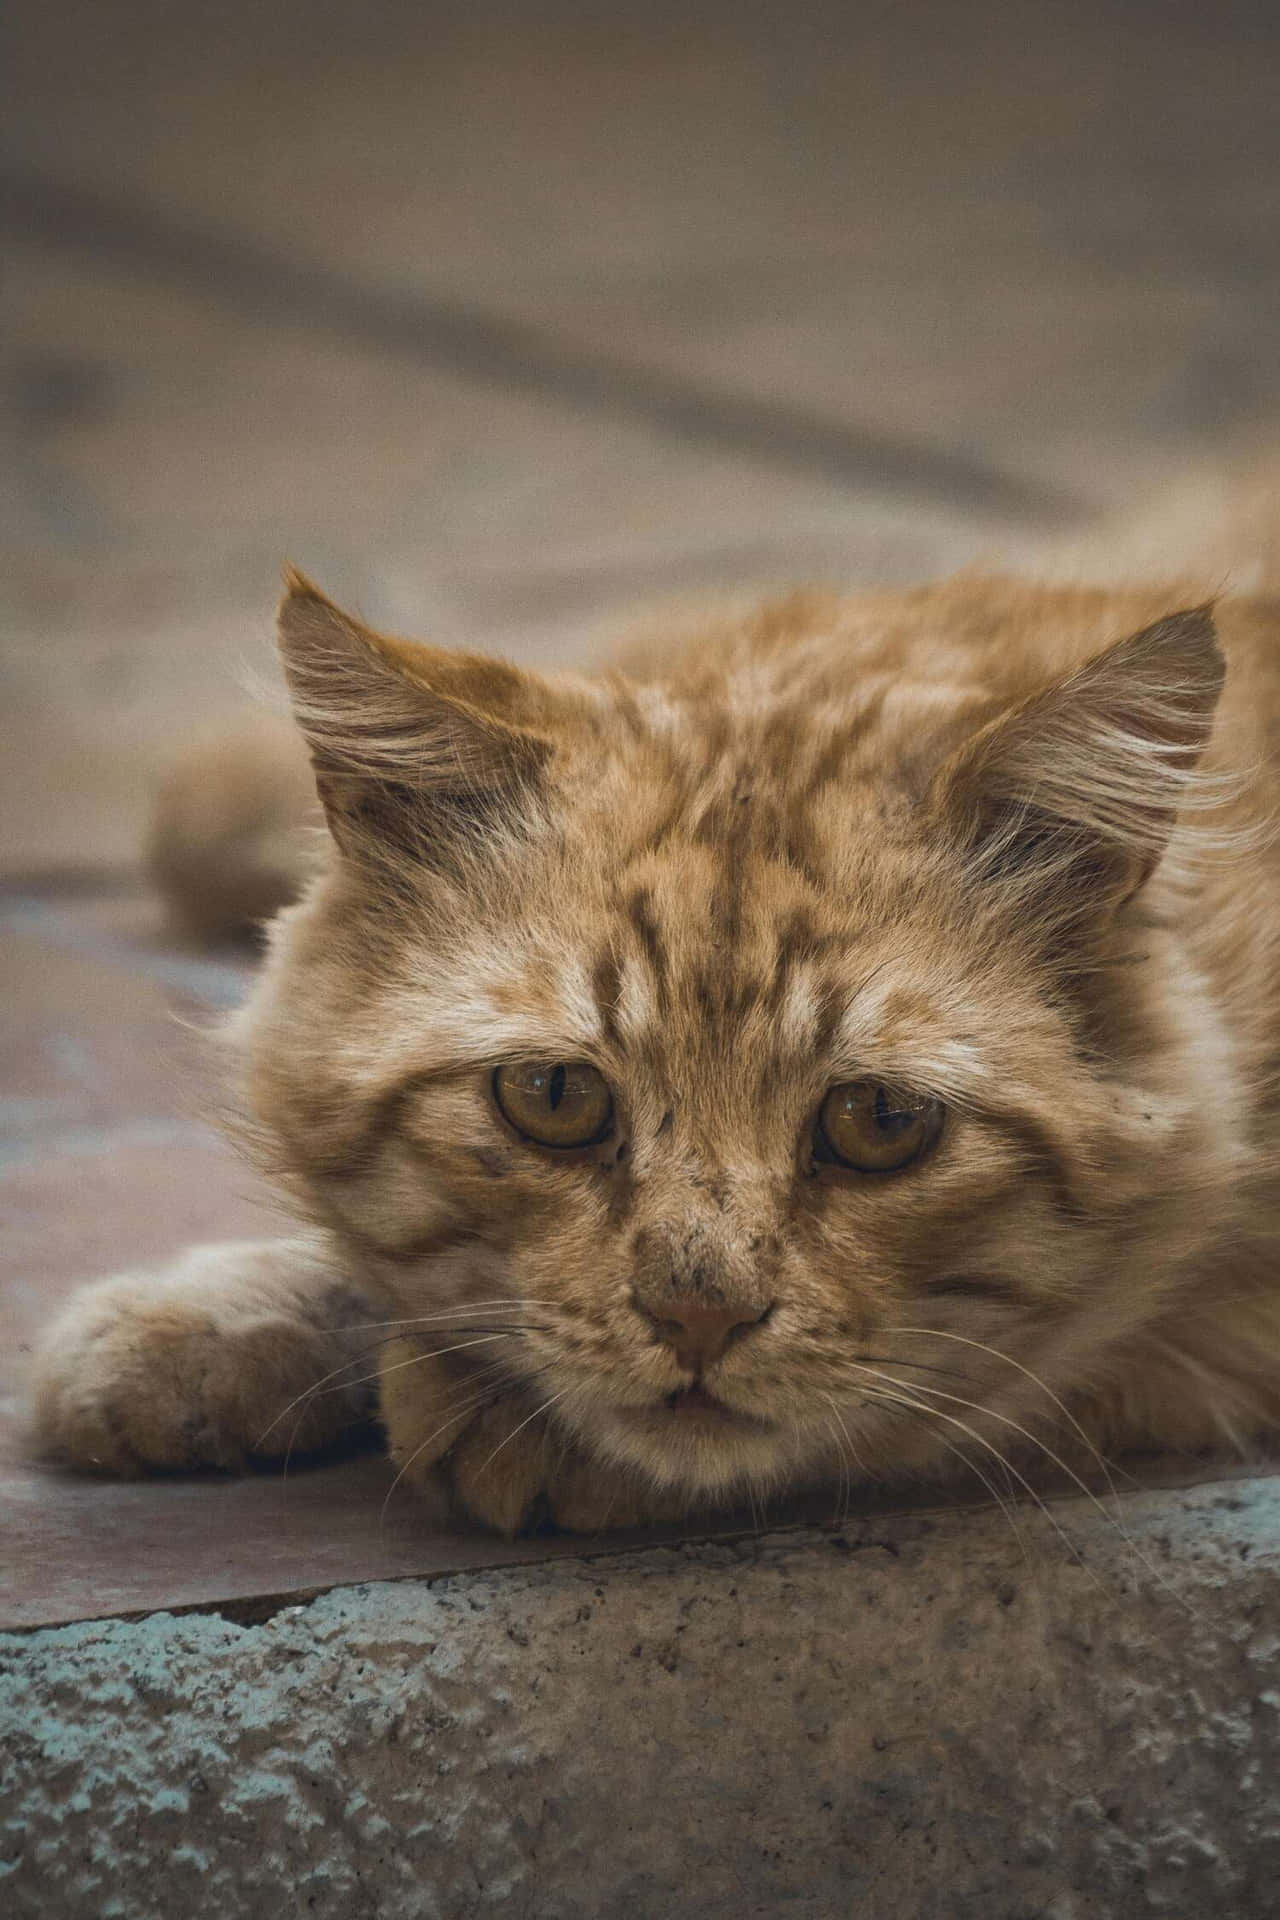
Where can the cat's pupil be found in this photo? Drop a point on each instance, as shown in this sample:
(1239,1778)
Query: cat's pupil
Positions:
(555,1087)
(891,1120)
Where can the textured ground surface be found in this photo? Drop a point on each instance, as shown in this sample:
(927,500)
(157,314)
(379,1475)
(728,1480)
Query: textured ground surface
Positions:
(910,1720)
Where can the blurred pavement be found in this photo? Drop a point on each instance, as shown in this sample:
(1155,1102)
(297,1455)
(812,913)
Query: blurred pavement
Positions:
(502,320)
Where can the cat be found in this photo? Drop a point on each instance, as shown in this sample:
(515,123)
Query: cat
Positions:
(840,1043)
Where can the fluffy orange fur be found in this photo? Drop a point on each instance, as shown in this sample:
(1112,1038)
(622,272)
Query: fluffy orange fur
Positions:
(1000,850)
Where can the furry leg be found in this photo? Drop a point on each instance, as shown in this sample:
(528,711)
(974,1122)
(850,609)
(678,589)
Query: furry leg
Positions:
(219,1358)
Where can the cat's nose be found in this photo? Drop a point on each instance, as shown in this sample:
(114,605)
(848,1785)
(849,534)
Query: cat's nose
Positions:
(698,1334)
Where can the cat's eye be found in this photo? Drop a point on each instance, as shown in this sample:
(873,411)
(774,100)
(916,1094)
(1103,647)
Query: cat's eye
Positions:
(874,1128)
(558,1103)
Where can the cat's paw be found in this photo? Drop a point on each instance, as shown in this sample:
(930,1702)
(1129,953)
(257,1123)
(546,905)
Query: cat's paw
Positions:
(424,1405)
(440,1421)
(140,1373)
(505,1465)
(512,1470)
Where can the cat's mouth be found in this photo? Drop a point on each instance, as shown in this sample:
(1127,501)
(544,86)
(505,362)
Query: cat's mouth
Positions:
(697,1405)
(694,1399)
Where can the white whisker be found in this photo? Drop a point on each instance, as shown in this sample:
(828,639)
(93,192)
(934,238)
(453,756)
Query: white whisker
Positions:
(1006,1505)
(444,1313)
(963,1340)
(468,1406)
(523,1424)
(321,1386)
(1115,1519)
(953,1420)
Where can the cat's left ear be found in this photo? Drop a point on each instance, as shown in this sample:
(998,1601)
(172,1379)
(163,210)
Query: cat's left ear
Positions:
(1071,797)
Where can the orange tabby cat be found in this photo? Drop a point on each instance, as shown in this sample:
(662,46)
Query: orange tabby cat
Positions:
(843,1043)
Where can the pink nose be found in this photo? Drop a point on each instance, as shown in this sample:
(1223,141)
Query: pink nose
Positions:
(698,1334)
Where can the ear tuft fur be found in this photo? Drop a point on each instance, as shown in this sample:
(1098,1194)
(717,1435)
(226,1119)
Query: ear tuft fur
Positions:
(1078,788)
(407,741)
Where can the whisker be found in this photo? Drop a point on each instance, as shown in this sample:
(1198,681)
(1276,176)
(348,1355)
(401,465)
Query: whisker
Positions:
(438,1353)
(917,1366)
(1004,1502)
(494,1375)
(976,1406)
(468,1406)
(556,1397)
(856,1457)
(444,1313)
(321,1386)
(964,1340)
(990,1447)
(1115,1519)
(990,1413)
(757,1511)
(842,1508)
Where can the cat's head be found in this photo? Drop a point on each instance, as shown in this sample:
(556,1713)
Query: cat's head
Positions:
(774,1048)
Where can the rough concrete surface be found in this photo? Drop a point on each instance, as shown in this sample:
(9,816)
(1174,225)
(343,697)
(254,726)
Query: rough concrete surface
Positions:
(916,1717)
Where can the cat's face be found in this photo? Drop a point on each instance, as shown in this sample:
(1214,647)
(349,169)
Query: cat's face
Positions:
(700,1068)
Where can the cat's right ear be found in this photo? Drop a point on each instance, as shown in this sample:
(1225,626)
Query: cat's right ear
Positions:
(417,751)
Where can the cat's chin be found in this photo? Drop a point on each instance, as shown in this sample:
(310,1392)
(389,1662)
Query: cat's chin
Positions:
(693,1441)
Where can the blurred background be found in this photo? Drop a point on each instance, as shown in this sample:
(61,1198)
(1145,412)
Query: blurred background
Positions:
(503,321)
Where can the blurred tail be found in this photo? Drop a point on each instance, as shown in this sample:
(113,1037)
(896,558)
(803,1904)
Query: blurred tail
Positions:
(233,831)
(1213,529)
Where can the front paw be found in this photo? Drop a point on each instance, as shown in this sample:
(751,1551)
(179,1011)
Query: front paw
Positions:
(503,1461)
(441,1422)
(515,1472)
(133,1377)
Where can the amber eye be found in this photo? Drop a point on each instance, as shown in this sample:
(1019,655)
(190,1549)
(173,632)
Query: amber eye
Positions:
(563,1103)
(875,1128)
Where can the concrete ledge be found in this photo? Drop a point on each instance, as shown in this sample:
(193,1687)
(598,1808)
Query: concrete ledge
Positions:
(912,1718)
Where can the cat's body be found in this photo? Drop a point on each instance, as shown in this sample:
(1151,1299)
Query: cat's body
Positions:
(845,1043)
